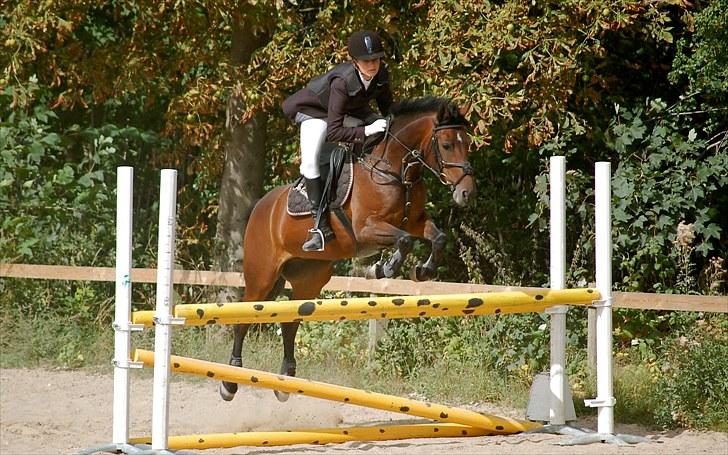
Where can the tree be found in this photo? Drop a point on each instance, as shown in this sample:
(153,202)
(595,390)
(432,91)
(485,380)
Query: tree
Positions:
(245,154)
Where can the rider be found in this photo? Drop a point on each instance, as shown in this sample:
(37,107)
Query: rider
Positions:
(334,107)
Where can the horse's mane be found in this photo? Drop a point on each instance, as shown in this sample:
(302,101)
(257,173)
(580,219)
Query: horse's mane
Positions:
(427,105)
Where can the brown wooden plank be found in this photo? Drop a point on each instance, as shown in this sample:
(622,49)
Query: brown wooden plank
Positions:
(672,302)
(57,272)
(636,300)
(60,272)
(407,287)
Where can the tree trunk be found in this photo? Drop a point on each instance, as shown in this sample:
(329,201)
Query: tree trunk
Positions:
(244,168)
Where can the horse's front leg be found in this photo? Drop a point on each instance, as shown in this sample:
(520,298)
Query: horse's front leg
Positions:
(428,270)
(387,236)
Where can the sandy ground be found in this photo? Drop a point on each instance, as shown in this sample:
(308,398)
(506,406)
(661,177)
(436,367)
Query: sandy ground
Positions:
(62,412)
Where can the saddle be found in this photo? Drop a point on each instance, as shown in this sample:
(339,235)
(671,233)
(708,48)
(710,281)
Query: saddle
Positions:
(337,168)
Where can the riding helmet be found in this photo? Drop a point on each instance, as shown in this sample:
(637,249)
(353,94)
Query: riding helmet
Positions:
(365,45)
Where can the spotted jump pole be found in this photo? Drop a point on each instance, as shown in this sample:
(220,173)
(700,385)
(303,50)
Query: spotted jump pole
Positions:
(475,304)
(319,436)
(468,423)
(473,424)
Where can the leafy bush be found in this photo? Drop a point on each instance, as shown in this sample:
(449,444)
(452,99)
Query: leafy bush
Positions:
(701,60)
(667,191)
(62,177)
(515,344)
(348,339)
(692,391)
(666,176)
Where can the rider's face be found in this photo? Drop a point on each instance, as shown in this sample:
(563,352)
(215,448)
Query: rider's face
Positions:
(368,68)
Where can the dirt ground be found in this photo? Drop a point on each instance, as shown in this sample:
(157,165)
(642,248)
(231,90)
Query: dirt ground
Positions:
(63,412)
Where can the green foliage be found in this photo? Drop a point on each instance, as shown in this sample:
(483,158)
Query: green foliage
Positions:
(56,197)
(57,181)
(57,202)
(511,344)
(635,391)
(667,189)
(317,340)
(692,392)
(702,57)
(666,176)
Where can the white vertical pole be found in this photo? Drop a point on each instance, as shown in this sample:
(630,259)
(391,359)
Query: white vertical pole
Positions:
(603,226)
(122,313)
(557,268)
(163,315)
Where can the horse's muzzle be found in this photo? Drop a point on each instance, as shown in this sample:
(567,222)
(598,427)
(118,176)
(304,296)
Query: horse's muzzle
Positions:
(463,194)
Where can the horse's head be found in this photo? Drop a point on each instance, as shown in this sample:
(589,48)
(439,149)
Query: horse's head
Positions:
(450,148)
(432,132)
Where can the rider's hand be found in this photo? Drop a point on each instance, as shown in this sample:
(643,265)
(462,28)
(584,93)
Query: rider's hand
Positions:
(378,126)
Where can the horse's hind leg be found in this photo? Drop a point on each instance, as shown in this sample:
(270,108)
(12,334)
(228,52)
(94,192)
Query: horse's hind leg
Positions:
(288,366)
(228,389)
(307,278)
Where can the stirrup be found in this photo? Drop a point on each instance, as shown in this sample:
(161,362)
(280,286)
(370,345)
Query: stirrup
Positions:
(322,239)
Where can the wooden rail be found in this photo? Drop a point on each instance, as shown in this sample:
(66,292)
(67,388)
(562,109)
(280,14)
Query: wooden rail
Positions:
(636,300)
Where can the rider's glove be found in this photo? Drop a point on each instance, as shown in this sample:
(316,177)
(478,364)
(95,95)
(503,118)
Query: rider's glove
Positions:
(378,126)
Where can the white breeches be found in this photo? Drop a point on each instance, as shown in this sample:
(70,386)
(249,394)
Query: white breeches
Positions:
(313,134)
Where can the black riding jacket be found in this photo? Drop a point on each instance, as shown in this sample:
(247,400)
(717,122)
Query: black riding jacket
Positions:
(340,93)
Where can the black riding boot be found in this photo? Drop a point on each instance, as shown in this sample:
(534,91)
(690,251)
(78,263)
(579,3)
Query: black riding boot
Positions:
(321,233)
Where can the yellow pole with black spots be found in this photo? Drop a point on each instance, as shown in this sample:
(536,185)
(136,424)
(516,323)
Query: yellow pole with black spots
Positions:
(493,424)
(375,308)
(318,436)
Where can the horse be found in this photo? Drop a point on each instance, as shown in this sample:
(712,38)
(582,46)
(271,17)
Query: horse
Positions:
(386,209)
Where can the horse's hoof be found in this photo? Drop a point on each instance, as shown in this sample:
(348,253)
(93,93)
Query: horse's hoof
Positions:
(374,272)
(420,273)
(226,394)
(282,396)
(287,369)
(229,389)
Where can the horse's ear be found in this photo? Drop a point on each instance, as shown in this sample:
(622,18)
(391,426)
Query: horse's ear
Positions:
(443,114)
(465,109)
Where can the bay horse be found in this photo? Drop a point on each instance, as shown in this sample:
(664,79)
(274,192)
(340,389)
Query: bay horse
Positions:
(386,209)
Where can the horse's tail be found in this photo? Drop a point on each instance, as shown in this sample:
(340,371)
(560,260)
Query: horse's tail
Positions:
(277,289)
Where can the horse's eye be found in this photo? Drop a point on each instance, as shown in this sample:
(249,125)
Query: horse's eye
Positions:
(447,146)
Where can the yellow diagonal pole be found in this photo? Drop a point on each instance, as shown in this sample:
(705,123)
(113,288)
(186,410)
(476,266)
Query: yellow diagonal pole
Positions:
(255,378)
(319,436)
(375,308)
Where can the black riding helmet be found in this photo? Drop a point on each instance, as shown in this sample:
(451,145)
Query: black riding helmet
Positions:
(365,45)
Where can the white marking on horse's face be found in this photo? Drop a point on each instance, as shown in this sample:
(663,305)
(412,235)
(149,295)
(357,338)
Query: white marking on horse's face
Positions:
(460,138)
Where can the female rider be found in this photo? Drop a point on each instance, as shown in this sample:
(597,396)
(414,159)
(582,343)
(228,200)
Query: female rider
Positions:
(322,107)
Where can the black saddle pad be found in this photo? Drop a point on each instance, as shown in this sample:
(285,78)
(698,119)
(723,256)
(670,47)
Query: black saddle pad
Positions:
(298,203)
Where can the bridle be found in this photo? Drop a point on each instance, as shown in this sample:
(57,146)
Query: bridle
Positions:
(441,163)
(415,158)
